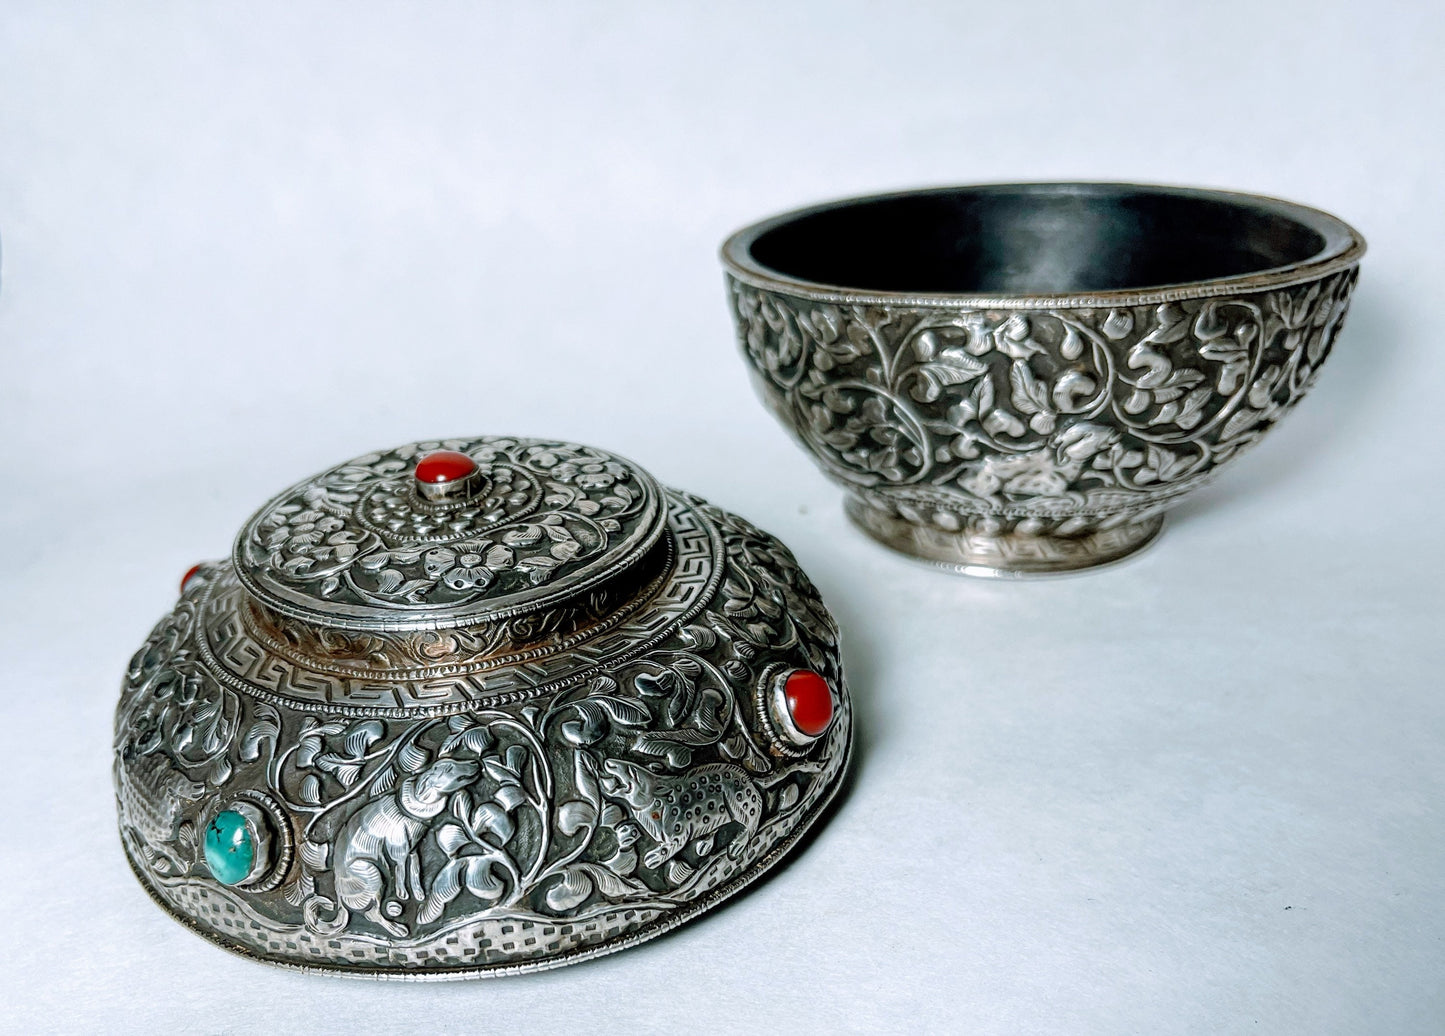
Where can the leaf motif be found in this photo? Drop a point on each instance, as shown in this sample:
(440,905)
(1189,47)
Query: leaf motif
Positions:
(388,580)
(492,818)
(982,396)
(699,637)
(461,805)
(653,685)
(601,685)
(612,815)
(477,740)
(500,771)
(522,536)
(584,776)
(266,727)
(955,367)
(1001,421)
(653,741)
(1210,324)
(221,772)
(571,890)
(573,816)
(372,562)
(623,863)
(1157,368)
(500,557)
(314,854)
(383,782)
(609,881)
(306,754)
(348,774)
(1192,412)
(586,728)
(1242,419)
(1171,324)
(480,880)
(444,888)
(1029,396)
(509,796)
(311,789)
(624,712)
(451,838)
(1166,414)
(363,736)
(1118,323)
(1072,390)
(300,890)
(412,758)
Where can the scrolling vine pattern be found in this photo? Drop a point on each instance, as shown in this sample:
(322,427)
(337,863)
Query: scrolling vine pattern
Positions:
(358,535)
(1045,419)
(643,786)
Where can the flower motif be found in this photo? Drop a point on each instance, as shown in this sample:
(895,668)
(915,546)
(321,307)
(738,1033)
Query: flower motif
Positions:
(865,436)
(1034,474)
(590,475)
(470,566)
(1082,441)
(301,539)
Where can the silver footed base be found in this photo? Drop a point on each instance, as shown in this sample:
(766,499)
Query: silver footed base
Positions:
(1011,555)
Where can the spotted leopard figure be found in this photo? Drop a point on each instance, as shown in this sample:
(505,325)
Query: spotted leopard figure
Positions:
(674,811)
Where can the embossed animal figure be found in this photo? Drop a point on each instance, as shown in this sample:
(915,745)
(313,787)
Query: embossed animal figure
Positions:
(384,835)
(153,795)
(675,810)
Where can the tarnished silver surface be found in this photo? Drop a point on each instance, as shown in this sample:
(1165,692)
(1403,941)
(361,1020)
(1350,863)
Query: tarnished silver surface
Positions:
(528,722)
(1016,430)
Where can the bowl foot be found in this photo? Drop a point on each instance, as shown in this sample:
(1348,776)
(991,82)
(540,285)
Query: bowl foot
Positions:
(1011,555)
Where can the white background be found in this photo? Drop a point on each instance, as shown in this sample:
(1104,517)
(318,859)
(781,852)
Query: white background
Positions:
(1199,792)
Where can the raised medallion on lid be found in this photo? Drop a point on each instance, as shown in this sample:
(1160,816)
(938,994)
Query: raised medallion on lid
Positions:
(360,546)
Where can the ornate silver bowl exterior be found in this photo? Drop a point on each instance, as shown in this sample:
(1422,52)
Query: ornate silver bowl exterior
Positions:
(503,719)
(1021,379)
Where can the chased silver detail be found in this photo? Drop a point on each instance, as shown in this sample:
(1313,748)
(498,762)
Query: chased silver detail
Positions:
(494,807)
(1040,439)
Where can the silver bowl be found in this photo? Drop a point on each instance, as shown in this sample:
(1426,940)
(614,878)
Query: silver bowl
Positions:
(1020,379)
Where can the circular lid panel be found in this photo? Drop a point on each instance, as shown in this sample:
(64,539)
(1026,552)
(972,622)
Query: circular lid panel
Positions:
(444,534)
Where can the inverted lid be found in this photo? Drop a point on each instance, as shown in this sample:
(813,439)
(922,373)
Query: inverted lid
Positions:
(437,535)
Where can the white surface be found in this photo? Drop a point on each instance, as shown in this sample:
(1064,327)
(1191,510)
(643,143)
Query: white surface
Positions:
(1201,792)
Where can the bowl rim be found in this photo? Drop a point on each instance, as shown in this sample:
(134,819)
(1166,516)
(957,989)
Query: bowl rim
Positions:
(1343,248)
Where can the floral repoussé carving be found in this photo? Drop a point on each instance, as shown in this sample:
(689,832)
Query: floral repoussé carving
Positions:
(585,814)
(1058,422)
(359,535)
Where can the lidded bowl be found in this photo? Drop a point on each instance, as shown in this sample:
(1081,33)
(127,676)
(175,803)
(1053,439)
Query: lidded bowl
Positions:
(1018,379)
(473,707)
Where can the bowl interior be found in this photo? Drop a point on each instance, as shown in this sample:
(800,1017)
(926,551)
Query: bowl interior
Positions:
(1042,239)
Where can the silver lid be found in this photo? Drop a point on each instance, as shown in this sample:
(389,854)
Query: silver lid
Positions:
(437,535)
